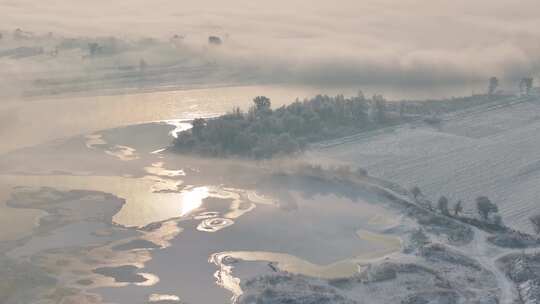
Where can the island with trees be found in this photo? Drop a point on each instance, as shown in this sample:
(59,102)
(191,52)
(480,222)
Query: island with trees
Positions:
(263,132)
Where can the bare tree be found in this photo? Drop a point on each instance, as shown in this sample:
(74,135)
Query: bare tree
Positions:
(525,85)
(142,65)
(379,104)
(493,84)
(458,208)
(416,192)
(529,85)
(402,109)
(535,221)
(93,48)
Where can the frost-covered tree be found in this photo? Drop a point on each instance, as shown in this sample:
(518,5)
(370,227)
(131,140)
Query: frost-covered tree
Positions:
(419,238)
(485,207)
(262,103)
(361,172)
(458,208)
(442,205)
(416,192)
(198,125)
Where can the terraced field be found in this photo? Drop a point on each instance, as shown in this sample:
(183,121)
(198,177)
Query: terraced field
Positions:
(487,150)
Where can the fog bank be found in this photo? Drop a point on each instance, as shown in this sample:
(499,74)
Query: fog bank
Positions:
(350,42)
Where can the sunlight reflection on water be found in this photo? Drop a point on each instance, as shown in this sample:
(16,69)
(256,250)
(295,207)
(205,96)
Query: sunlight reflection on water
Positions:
(157,169)
(192,199)
(163,297)
(148,199)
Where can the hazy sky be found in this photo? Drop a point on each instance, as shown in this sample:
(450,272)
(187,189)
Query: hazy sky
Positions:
(382,40)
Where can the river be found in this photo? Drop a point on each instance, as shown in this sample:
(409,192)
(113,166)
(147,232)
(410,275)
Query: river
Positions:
(27,122)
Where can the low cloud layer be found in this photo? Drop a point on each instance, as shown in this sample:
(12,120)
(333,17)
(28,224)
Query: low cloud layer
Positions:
(348,42)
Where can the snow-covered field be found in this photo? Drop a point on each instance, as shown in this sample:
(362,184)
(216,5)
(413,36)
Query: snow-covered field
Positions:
(490,150)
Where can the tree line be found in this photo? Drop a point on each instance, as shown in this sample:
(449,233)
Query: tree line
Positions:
(525,86)
(487,210)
